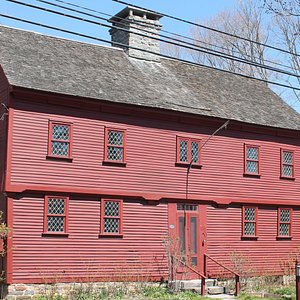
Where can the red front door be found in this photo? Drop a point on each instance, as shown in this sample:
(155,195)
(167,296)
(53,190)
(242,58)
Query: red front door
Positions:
(189,236)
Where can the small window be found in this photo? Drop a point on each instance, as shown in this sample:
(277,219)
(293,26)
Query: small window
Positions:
(60,137)
(251,160)
(287,163)
(188,150)
(284,222)
(187,207)
(115,141)
(56,214)
(111,217)
(249,221)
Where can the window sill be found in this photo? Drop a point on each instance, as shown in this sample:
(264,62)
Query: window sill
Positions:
(52,157)
(249,237)
(114,163)
(55,234)
(107,235)
(283,237)
(287,178)
(186,165)
(251,175)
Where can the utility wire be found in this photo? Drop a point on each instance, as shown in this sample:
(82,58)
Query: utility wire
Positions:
(199,49)
(124,21)
(206,27)
(144,50)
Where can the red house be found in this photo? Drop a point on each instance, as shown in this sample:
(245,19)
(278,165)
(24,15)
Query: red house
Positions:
(104,162)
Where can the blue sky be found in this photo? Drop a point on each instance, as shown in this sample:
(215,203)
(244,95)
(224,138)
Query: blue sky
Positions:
(190,9)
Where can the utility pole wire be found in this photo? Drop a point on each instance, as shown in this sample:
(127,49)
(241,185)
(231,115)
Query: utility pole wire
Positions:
(210,137)
(192,160)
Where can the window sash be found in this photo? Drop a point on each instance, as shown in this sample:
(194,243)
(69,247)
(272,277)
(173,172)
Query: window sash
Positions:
(245,221)
(104,217)
(108,145)
(52,140)
(251,160)
(48,216)
(287,164)
(289,223)
(189,142)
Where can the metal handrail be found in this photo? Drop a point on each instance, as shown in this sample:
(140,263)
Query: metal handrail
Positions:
(237,275)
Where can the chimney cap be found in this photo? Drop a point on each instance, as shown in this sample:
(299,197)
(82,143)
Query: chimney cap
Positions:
(132,10)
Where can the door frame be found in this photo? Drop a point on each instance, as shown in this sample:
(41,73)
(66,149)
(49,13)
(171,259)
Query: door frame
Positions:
(173,217)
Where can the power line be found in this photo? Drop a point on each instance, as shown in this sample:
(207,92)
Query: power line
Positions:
(162,30)
(207,27)
(200,49)
(144,50)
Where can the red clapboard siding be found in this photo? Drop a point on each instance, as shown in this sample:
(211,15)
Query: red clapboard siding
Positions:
(261,256)
(83,255)
(151,156)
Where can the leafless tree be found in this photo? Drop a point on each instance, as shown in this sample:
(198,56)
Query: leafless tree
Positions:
(283,7)
(286,20)
(246,21)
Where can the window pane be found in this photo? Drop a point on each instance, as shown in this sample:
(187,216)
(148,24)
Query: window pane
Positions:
(114,153)
(56,224)
(190,207)
(284,215)
(60,148)
(115,138)
(287,171)
(252,167)
(195,152)
(249,214)
(249,229)
(111,225)
(182,235)
(60,132)
(284,229)
(287,157)
(194,261)
(194,235)
(111,209)
(183,153)
(56,206)
(252,153)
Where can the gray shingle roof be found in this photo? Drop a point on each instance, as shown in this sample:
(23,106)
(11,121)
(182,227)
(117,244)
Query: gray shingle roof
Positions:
(63,66)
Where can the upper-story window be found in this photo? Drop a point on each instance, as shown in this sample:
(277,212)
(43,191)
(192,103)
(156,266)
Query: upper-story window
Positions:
(287,163)
(56,215)
(60,140)
(188,150)
(284,222)
(251,160)
(115,142)
(249,221)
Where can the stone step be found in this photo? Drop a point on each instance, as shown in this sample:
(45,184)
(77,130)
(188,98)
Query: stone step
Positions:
(215,290)
(192,284)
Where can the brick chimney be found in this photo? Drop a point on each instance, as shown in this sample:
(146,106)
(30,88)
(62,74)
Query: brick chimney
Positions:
(136,20)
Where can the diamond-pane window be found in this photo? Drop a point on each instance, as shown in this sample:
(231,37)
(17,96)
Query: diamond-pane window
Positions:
(55,214)
(59,140)
(251,160)
(111,217)
(284,222)
(188,150)
(249,221)
(114,145)
(287,163)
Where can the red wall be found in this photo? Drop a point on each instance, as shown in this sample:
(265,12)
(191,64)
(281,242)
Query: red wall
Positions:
(83,255)
(151,152)
(261,256)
